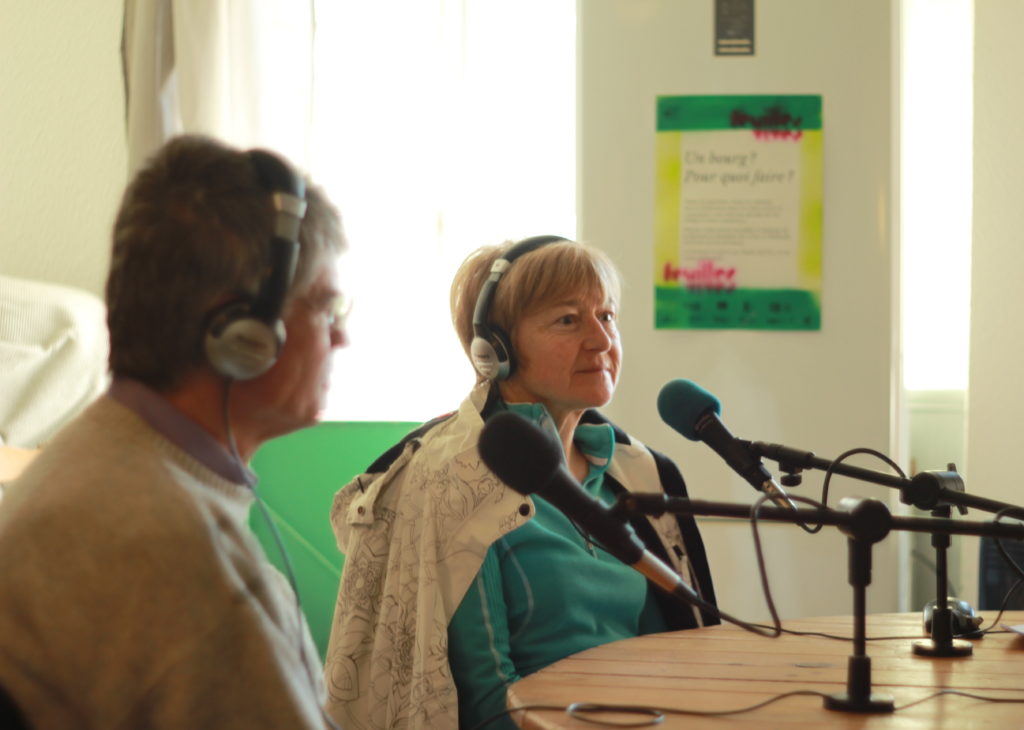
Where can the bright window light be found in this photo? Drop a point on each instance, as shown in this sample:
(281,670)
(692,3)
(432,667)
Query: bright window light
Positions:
(438,127)
(936,191)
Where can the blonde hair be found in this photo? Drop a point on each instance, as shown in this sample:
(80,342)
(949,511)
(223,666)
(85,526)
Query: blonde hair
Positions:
(532,281)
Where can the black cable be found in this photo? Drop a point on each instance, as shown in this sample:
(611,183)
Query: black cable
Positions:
(771,606)
(579,710)
(959,693)
(755,510)
(285,558)
(846,455)
(831,470)
(582,710)
(776,629)
(739,710)
(504,713)
(700,602)
(1013,589)
(762,570)
(230,434)
(836,637)
(698,599)
(656,715)
(759,554)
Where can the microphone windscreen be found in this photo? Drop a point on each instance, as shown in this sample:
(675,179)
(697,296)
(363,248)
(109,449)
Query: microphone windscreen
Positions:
(682,402)
(523,456)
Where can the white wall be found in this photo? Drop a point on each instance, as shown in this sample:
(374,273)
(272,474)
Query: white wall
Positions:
(62,156)
(996,393)
(824,391)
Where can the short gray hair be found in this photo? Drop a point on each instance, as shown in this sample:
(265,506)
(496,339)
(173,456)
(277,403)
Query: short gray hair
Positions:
(192,234)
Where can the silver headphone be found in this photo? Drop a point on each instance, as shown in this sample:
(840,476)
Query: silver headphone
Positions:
(491,348)
(244,338)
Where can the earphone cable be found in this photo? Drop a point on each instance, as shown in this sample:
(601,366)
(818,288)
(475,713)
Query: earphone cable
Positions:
(285,558)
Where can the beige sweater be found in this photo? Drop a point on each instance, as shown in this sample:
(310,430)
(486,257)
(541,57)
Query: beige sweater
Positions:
(132,593)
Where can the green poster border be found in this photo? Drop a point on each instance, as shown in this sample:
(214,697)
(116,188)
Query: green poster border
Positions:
(685,113)
(760,309)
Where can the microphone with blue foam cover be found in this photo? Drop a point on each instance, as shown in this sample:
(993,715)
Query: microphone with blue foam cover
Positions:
(693,412)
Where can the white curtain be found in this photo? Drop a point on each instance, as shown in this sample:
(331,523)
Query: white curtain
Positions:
(238,70)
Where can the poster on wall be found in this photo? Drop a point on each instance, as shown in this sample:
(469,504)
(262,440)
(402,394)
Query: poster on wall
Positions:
(738,212)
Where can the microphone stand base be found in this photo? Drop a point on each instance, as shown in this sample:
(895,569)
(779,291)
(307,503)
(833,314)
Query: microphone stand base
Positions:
(875,703)
(955,647)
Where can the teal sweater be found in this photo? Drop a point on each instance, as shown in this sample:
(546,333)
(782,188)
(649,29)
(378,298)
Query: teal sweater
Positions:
(544,592)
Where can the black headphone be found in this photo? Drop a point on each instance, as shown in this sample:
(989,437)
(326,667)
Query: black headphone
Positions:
(244,338)
(491,348)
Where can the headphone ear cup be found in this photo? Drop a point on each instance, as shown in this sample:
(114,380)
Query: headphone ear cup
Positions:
(491,349)
(502,345)
(240,346)
(491,353)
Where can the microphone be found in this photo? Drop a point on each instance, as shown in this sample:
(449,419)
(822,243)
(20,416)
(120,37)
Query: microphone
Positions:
(531,462)
(693,412)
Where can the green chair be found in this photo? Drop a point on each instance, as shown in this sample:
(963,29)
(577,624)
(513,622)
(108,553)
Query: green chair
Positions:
(299,475)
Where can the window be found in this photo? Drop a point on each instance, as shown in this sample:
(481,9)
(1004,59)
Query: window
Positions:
(936,219)
(437,127)
(936,192)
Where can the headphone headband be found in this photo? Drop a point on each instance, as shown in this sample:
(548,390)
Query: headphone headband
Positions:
(287,195)
(498,269)
(490,349)
(245,339)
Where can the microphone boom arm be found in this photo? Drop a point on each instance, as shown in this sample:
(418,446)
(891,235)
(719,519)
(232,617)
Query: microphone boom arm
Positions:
(655,505)
(925,490)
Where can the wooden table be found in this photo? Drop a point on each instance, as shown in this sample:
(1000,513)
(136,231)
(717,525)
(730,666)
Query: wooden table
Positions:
(724,667)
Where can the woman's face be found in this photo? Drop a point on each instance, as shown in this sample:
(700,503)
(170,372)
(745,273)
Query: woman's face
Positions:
(568,355)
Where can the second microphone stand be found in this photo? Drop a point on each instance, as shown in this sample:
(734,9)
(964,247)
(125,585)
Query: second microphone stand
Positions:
(935,491)
(869,523)
(865,522)
(942,643)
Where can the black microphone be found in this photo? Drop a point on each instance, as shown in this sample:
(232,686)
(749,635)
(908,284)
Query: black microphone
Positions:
(693,412)
(531,462)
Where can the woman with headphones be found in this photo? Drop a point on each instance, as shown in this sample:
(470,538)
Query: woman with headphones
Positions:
(455,585)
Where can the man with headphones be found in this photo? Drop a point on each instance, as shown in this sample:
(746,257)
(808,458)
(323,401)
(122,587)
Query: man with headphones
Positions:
(454,585)
(132,593)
